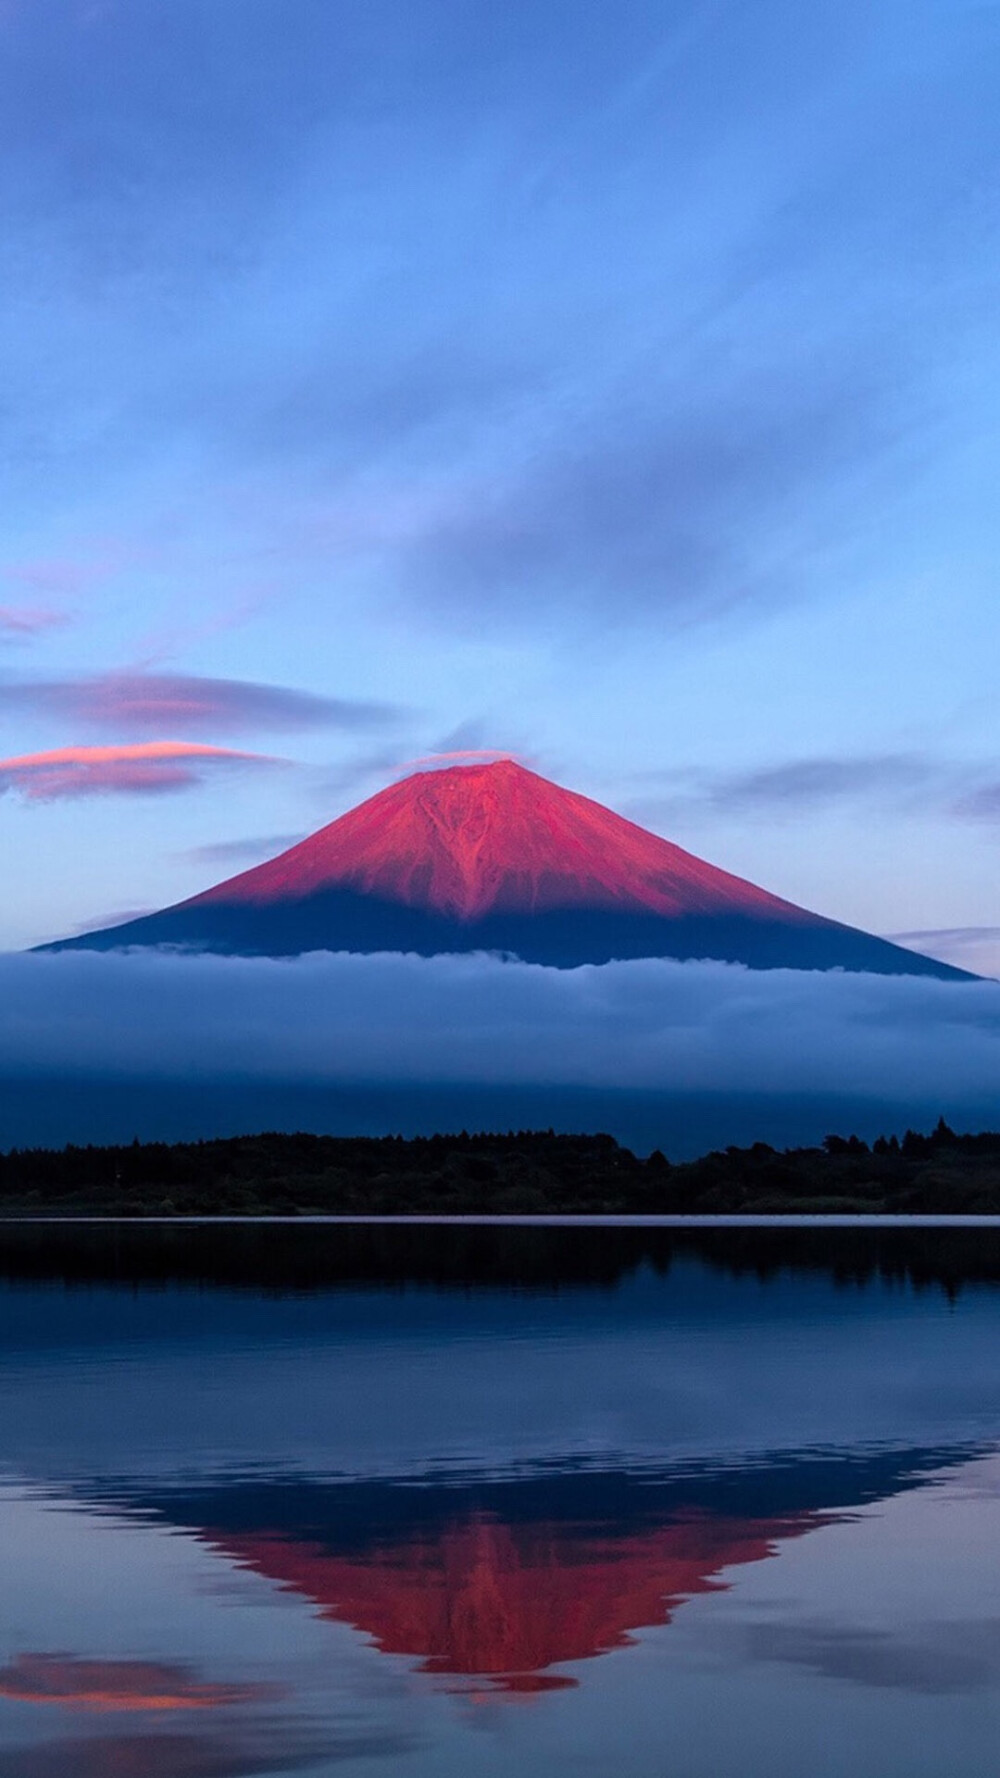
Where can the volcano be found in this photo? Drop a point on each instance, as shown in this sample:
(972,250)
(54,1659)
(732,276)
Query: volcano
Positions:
(495,858)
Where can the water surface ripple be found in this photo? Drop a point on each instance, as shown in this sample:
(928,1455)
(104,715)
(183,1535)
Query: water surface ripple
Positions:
(539,1501)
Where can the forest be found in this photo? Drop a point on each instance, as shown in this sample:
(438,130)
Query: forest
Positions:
(522,1173)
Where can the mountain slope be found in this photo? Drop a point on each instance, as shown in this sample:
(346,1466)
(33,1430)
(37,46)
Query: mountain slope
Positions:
(494,857)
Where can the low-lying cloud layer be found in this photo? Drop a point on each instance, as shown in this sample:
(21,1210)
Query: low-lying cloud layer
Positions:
(651,1027)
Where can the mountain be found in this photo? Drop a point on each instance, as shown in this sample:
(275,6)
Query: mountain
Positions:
(495,858)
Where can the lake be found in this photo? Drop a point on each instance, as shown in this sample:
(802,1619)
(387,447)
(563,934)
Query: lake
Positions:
(629,1502)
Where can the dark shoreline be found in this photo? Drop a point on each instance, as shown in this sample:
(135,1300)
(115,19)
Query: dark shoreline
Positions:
(518,1175)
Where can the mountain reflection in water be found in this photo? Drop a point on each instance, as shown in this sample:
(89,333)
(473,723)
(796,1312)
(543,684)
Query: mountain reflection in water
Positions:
(503,1581)
(335,1500)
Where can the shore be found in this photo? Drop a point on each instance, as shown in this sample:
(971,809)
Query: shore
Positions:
(508,1177)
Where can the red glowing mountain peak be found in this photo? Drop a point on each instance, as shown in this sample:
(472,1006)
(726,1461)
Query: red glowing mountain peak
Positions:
(471,840)
(491,856)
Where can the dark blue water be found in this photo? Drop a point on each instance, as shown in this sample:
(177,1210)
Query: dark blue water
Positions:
(601,1502)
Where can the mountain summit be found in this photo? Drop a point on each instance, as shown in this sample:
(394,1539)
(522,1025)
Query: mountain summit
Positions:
(495,858)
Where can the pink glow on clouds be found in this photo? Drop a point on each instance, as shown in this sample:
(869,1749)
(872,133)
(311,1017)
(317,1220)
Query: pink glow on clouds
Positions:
(136,702)
(65,577)
(143,768)
(26,620)
(463,756)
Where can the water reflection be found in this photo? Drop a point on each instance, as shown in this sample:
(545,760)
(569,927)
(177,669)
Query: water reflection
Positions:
(504,1603)
(157,1756)
(503,1582)
(731,1502)
(302,1257)
(108,1685)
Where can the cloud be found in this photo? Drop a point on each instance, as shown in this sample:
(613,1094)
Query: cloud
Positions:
(114,917)
(141,769)
(806,783)
(108,1685)
(976,948)
(980,805)
(25,620)
(649,511)
(359,774)
(266,845)
(69,576)
(899,782)
(319,298)
(147,703)
(457,756)
(469,736)
(656,1026)
(794,787)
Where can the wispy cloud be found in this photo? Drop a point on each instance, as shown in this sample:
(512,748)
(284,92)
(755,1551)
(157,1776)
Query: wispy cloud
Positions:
(982,804)
(360,774)
(805,783)
(223,852)
(23,621)
(792,788)
(185,703)
(976,948)
(144,768)
(462,756)
(541,233)
(69,575)
(112,917)
(652,510)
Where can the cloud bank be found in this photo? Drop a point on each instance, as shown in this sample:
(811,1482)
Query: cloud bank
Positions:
(649,1027)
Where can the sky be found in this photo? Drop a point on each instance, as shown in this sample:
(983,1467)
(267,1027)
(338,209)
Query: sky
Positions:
(616,386)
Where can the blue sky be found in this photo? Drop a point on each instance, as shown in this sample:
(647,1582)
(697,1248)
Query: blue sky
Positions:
(614,385)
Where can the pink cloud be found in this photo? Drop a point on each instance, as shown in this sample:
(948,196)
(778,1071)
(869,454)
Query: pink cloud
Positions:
(143,768)
(462,756)
(147,703)
(67,576)
(26,620)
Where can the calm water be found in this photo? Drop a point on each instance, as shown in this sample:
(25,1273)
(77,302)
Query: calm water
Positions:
(447,1502)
